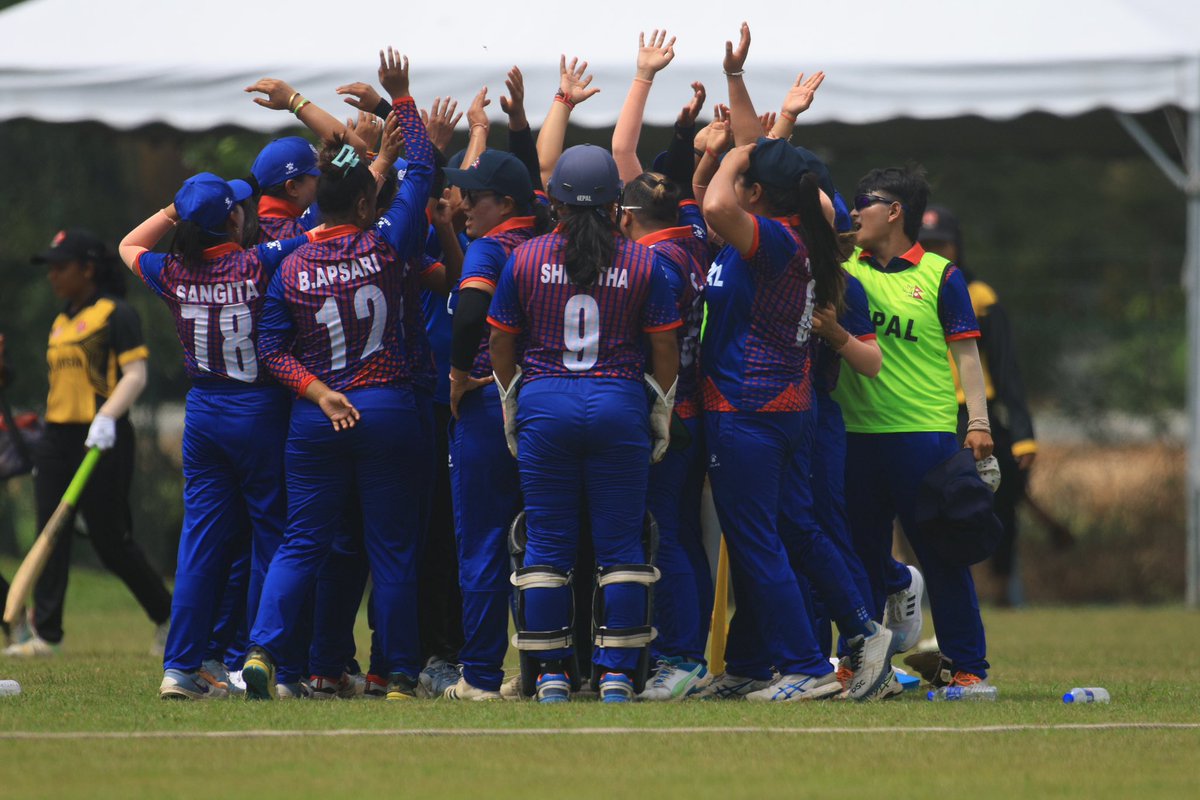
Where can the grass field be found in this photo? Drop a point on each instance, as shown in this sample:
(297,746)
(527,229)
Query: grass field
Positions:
(89,723)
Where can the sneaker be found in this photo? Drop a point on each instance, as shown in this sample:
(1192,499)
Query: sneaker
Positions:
(217,673)
(870,661)
(845,676)
(935,669)
(730,687)
(159,647)
(236,684)
(21,632)
(401,687)
(511,688)
(33,647)
(890,687)
(903,614)
(259,674)
(438,676)
(553,687)
(360,683)
(465,691)
(675,679)
(793,688)
(967,679)
(199,685)
(374,687)
(324,688)
(300,690)
(616,687)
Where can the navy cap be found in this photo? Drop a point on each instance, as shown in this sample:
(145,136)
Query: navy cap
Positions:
(939,225)
(73,244)
(283,160)
(585,175)
(842,222)
(495,171)
(207,200)
(955,511)
(660,162)
(776,163)
(817,166)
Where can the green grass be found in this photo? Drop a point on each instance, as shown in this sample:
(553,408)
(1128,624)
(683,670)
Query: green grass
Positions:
(1149,658)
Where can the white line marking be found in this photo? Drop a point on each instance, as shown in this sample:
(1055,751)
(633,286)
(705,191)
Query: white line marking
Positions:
(624,731)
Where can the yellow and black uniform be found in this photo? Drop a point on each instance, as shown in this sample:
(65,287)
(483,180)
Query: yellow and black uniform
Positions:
(88,349)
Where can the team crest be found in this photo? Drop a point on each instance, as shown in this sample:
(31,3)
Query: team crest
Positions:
(930,220)
(58,238)
(916,292)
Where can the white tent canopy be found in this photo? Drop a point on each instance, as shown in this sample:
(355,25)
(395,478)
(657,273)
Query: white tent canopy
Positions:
(131,62)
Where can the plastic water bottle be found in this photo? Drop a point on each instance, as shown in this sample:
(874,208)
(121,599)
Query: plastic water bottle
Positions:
(9,688)
(1091,694)
(963,693)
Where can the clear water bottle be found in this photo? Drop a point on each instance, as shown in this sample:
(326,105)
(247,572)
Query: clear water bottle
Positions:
(1091,694)
(963,693)
(9,688)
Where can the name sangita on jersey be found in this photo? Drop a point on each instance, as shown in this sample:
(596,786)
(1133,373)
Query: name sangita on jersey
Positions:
(217,293)
(617,277)
(342,272)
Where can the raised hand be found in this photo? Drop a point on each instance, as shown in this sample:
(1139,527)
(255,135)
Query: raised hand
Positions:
(513,104)
(361,95)
(393,139)
(655,56)
(278,93)
(735,59)
(572,82)
(800,96)
(393,73)
(440,121)
(767,121)
(720,132)
(476,114)
(687,116)
(367,127)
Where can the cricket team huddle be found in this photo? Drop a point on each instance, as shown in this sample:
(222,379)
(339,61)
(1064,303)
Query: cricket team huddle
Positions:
(491,385)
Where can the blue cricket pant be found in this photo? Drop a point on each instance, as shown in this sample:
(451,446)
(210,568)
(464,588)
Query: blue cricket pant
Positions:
(883,473)
(323,468)
(232,468)
(758,469)
(683,596)
(584,442)
(227,641)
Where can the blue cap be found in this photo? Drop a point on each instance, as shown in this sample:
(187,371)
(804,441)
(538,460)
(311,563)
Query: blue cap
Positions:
(495,171)
(283,160)
(585,175)
(774,162)
(955,511)
(208,200)
(1068,698)
(660,162)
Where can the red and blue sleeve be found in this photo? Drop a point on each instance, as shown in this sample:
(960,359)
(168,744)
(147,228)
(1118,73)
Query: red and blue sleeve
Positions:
(660,313)
(506,312)
(404,225)
(271,254)
(276,333)
(774,248)
(690,214)
(482,264)
(856,318)
(149,267)
(954,307)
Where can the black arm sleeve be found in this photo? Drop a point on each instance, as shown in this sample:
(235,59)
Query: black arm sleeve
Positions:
(522,145)
(383,109)
(1006,377)
(681,162)
(470,322)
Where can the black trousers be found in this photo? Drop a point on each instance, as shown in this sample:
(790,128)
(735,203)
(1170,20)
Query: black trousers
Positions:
(440,599)
(104,506)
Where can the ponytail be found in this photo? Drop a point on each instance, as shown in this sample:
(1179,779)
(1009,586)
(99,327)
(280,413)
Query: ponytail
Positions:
(543,218)
(591,242)
(191,241)
(824,252)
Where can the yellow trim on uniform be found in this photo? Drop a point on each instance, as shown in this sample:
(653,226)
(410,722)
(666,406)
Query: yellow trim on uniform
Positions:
(83,369)
(1024,447)
(136,354)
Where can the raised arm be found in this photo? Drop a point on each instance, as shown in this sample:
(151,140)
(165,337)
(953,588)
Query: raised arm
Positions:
(404,223)
(282,97)
(440,121)
(681,160)
(795,103)
(651,59)
(574,86)
(721,209)
(717,142)
(745,122)
(147,234)
(520,137)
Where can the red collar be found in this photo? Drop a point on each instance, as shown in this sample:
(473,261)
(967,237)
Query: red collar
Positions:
(682,232)
(791,222)
(336,232)
(278,207)
(511,223)
(913,255)
(221,250)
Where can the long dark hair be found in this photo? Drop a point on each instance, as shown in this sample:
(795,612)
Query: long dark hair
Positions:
(108,273)
(803,200)
(591,238)
(543,218)
(190,242)
(656,197)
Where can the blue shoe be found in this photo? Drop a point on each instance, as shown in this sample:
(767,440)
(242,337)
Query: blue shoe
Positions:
(553,687)
(179,685)
(616,687)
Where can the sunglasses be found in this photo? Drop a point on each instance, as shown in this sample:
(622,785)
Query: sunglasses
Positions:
(866,200)
(473,196)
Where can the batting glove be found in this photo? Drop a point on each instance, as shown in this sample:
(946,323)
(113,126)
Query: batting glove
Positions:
(989,471)
(102,433)
(660,418)
(508,404)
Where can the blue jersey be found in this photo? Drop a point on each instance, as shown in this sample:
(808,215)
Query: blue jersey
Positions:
(756,354)
(278,219)
(217,306)
(591,331)
(856,319)
(335,308)
(483,262)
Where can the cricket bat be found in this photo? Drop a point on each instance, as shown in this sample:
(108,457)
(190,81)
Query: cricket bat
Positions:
(720,620)
(35,561)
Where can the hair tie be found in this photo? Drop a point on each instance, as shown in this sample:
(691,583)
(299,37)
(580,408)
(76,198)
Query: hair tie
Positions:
(347,159)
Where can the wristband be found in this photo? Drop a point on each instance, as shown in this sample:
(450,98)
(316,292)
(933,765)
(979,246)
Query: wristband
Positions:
(787,116)
(979,424)
(561,97)
(300,105)
(292,99)
(737,74)
(170,219)
(708,151)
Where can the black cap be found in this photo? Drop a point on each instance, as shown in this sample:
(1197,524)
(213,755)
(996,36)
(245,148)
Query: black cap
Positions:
(776,163)
(955,511)
(73,244)
(495,171)
(939,225)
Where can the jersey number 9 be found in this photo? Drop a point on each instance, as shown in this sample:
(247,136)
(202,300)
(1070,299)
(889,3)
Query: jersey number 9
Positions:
(581,333)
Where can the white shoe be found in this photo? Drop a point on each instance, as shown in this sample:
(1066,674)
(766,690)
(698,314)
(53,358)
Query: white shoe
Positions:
(21,632)
(236,684)
(730,687)
(870,660)
(675,679)
(793,688)
(300,690)
(903,615)
(511,688)
(200,685)
(33,647)
(160,640)
(438,676)
(465,691)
